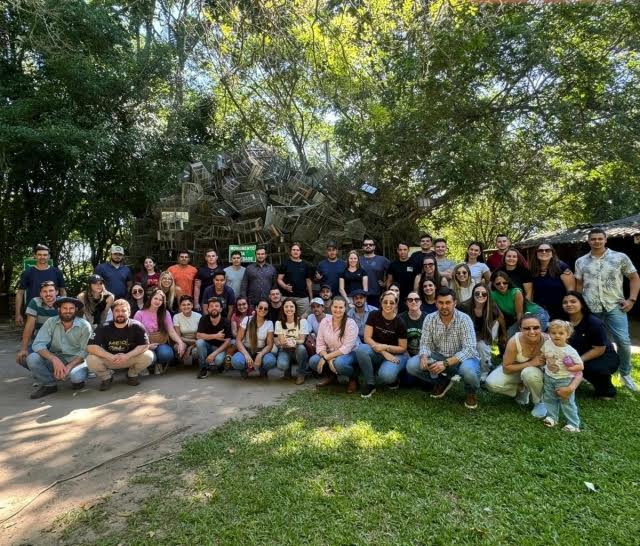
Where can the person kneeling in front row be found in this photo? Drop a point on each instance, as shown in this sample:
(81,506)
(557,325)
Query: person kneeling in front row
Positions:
(447,349)
(118,344)
(60,349)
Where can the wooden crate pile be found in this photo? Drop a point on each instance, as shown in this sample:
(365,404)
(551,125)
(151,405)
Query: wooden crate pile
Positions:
(253,196)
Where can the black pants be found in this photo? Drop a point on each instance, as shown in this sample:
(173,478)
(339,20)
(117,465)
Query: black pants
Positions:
(598,372)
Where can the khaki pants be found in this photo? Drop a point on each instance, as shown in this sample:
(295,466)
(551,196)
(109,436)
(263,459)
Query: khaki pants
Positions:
(507,383)
(102,367)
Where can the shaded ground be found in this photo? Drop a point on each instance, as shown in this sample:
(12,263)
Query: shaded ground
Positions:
(49,439)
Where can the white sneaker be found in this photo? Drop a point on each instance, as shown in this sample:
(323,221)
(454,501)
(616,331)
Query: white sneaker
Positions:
(549,422)
(522,397)
(628,382)
(570,428)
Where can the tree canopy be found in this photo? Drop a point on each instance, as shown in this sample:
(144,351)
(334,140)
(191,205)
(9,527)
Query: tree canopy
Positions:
(514,118)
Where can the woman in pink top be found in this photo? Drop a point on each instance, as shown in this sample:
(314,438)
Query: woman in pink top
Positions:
(335,346)
(158,324)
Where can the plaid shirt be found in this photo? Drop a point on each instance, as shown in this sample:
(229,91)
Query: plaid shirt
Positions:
(602,278)
(458,338)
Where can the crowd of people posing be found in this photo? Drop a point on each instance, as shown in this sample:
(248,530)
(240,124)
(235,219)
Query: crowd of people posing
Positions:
(422,320)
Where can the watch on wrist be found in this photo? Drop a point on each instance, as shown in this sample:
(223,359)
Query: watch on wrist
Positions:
(446,362)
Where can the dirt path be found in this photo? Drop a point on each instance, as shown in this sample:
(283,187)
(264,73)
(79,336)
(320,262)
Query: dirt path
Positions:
(49,439)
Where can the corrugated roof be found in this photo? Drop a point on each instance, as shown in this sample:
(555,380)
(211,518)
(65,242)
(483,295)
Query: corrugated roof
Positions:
(625,227)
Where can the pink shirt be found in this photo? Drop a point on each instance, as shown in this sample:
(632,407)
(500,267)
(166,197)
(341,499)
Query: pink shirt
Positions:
(329,340)
(149,320)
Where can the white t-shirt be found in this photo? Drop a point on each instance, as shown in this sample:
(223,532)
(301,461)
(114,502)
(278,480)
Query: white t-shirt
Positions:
(188,325)
(555,355)
(263,331)
(292,331)
(477,270)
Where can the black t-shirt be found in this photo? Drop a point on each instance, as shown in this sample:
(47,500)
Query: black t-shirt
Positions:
(418,257)
(403,273)
(206,327)
(119,340)
(353,279)
(591,332)
(387,332)
(414,332)
(274,314)
(296,274)
(519,276)
(205,276)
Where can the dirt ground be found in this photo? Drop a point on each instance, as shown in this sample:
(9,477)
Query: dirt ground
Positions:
(68,432)
(52,438)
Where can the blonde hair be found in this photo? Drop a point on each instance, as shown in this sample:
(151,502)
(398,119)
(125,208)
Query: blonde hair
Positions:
(170,295)
(558,324)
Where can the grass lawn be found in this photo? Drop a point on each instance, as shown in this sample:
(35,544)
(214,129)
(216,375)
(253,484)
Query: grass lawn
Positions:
(401,468)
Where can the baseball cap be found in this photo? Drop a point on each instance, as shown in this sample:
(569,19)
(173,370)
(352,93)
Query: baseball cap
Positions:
(325,286)
(95,279)
(332,244)
(116,249)
(357,292)
(317,301)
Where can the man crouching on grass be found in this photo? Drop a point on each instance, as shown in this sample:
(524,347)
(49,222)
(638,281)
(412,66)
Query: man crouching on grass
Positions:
(447,349)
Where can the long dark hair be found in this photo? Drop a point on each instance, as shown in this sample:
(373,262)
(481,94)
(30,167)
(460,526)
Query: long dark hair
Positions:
(437,278)
(283,318)
(423,296)
(252,326)
(583,304)
(554,269)
(520,264)
(144,276)
(343,321)
(488,312)
(162,310)
(480,256)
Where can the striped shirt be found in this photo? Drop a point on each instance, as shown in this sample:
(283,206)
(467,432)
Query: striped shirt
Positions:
(458,338)
(38,309)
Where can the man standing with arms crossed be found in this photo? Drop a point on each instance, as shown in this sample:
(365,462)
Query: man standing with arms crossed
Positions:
(599,276)
(259,278)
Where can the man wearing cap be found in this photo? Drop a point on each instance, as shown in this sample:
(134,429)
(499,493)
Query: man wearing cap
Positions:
(60,349)
(117,276)
(326,295)
(314,319)
(118,344)
(360,310)
(39,310)
(329,269)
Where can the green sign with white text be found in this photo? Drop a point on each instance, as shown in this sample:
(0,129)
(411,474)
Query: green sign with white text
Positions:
(248,252)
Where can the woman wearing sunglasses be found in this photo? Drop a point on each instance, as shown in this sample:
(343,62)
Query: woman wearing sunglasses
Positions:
(513,304)
(552,279)
(461,283)
(137,297)
(521,374)
(488,324)
(429,272)
(254,343)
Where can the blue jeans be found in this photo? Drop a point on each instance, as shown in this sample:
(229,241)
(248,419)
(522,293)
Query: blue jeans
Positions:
(42,371)
(344,364)
(370,362)
(468,369)
(205,348)
(286,358)
(163,354)
(554,403)
(238,362)
(618,325)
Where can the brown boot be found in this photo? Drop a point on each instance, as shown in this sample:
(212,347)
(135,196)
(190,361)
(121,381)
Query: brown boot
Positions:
(329,379)
(352,386)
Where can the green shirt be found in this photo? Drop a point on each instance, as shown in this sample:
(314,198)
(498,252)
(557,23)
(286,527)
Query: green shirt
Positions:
(66,345)
(507,303)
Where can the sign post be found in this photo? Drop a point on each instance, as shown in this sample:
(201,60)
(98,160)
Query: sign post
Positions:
(248,252)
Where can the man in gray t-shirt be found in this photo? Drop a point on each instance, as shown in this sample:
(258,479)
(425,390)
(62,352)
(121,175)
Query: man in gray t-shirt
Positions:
(235,272)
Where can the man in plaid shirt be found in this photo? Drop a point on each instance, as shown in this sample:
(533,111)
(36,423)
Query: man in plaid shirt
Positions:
(448,349)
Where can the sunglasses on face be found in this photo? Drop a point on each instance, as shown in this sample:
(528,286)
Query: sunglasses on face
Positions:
(501,283)
(429,264)
(409,300)
(463,273)
(137,291)
(530,328)
(545,250)
(262,308)
(481,294)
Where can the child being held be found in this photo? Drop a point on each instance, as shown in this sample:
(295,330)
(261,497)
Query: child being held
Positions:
(563,364)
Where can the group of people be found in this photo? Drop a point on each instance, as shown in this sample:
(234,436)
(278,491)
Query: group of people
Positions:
(420,319)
